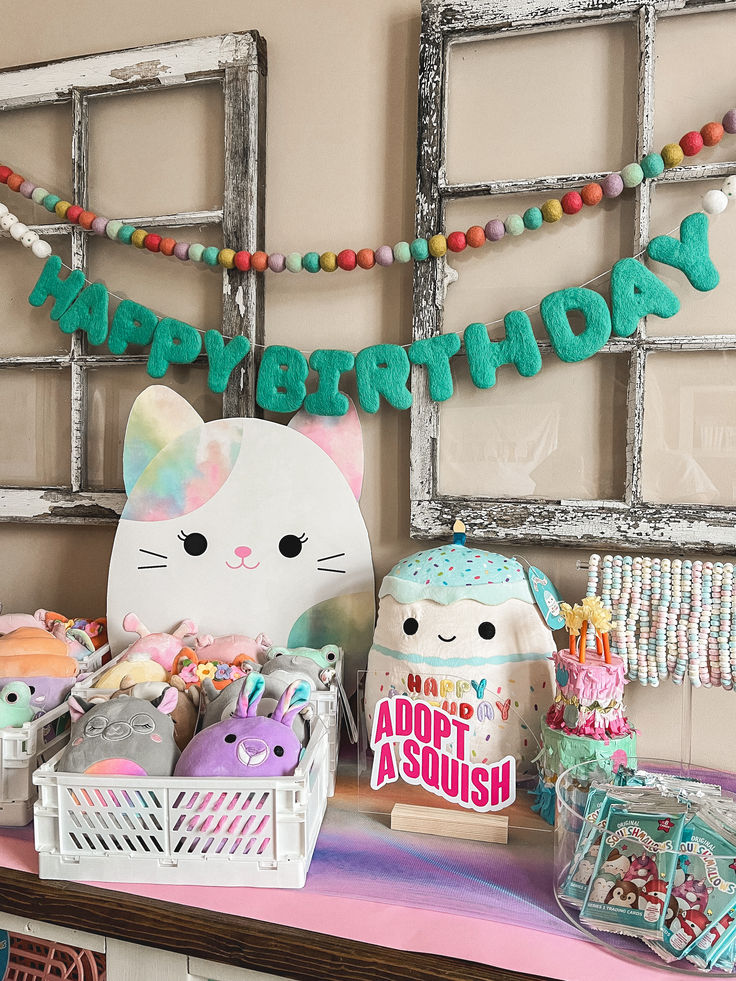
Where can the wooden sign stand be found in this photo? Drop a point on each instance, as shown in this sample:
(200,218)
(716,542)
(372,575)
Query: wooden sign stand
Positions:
(450,824)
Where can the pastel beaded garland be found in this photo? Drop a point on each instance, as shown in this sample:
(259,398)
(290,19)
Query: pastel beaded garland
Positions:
(669,617)
(421,249)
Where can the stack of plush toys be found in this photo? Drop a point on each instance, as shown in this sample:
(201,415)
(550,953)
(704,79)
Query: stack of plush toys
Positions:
(248,699)
(41,656)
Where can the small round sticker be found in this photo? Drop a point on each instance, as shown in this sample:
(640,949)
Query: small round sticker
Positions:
(546,597)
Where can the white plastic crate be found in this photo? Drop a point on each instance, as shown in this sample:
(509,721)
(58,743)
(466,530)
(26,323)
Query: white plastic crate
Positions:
(237,831)
(326,705)
(24,748)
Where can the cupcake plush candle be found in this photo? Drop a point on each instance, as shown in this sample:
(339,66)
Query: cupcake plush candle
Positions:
(459,628)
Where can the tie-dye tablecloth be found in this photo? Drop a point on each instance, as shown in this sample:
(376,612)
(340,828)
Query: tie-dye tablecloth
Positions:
(482,902)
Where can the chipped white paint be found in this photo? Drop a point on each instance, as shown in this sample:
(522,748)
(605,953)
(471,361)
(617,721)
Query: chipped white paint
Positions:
(238,63)
(59,506)
(174,63)
(628,522)
(143,70)
(240,301)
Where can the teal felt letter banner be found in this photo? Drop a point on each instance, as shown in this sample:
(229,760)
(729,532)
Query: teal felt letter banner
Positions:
(383,370)
(174,342)
(88,313)
(519,348)
(281,379)
(568,345)
(328,400)
(690,255)
(636,292)
(436,352)
(50,283)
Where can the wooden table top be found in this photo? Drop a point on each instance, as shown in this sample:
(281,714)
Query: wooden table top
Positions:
(234,940)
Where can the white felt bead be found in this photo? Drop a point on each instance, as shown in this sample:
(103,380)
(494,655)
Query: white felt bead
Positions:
(41,249)
(729,186)
(29,238)
(714,202)
(4,209)
(7,222)
(18,231)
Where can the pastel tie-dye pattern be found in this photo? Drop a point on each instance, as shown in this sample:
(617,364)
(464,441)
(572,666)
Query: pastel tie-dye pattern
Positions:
(188,472)
(341,439)
(157,417)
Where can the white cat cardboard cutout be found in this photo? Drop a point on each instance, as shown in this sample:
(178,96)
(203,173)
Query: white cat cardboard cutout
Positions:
(243,526)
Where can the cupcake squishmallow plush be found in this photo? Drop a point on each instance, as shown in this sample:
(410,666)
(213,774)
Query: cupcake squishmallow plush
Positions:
(459,628)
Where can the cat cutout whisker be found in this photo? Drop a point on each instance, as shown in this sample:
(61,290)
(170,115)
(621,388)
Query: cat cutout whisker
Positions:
(164,566)
(326,558)
(158,554)
(320,569)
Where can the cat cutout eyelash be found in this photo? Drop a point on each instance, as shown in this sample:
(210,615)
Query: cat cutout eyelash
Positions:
(158,555)
(337,555)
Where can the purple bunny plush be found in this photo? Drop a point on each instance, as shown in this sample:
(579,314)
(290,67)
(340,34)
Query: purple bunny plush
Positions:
(247,744)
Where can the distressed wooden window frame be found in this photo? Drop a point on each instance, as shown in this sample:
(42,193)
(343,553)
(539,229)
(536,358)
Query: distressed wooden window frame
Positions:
(237,62)
(631,522)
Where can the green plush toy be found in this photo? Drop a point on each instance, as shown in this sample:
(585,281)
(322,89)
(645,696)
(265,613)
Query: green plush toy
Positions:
(15,705)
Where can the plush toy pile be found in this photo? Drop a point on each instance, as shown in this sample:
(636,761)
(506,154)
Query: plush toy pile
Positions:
(228,706)
(41,656)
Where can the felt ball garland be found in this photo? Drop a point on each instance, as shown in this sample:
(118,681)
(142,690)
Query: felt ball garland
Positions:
(420,250)
(22,233)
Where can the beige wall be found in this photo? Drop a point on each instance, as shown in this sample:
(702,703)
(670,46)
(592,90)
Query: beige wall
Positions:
(340,173)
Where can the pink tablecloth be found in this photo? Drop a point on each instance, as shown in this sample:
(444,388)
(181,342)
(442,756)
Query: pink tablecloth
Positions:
(481,902)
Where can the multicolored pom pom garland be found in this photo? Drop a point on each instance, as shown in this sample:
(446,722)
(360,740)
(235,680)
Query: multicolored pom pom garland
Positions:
(420,249)
(22,233)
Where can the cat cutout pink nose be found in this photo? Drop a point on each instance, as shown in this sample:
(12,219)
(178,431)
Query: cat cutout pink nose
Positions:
(242,552)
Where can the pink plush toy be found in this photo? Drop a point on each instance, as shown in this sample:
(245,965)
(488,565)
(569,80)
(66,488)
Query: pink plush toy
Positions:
(246,744)
(231,646)
(12,621)
(160,647)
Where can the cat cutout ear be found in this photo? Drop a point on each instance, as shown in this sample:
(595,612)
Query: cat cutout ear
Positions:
(341,437)
(157,417)
(249,697)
